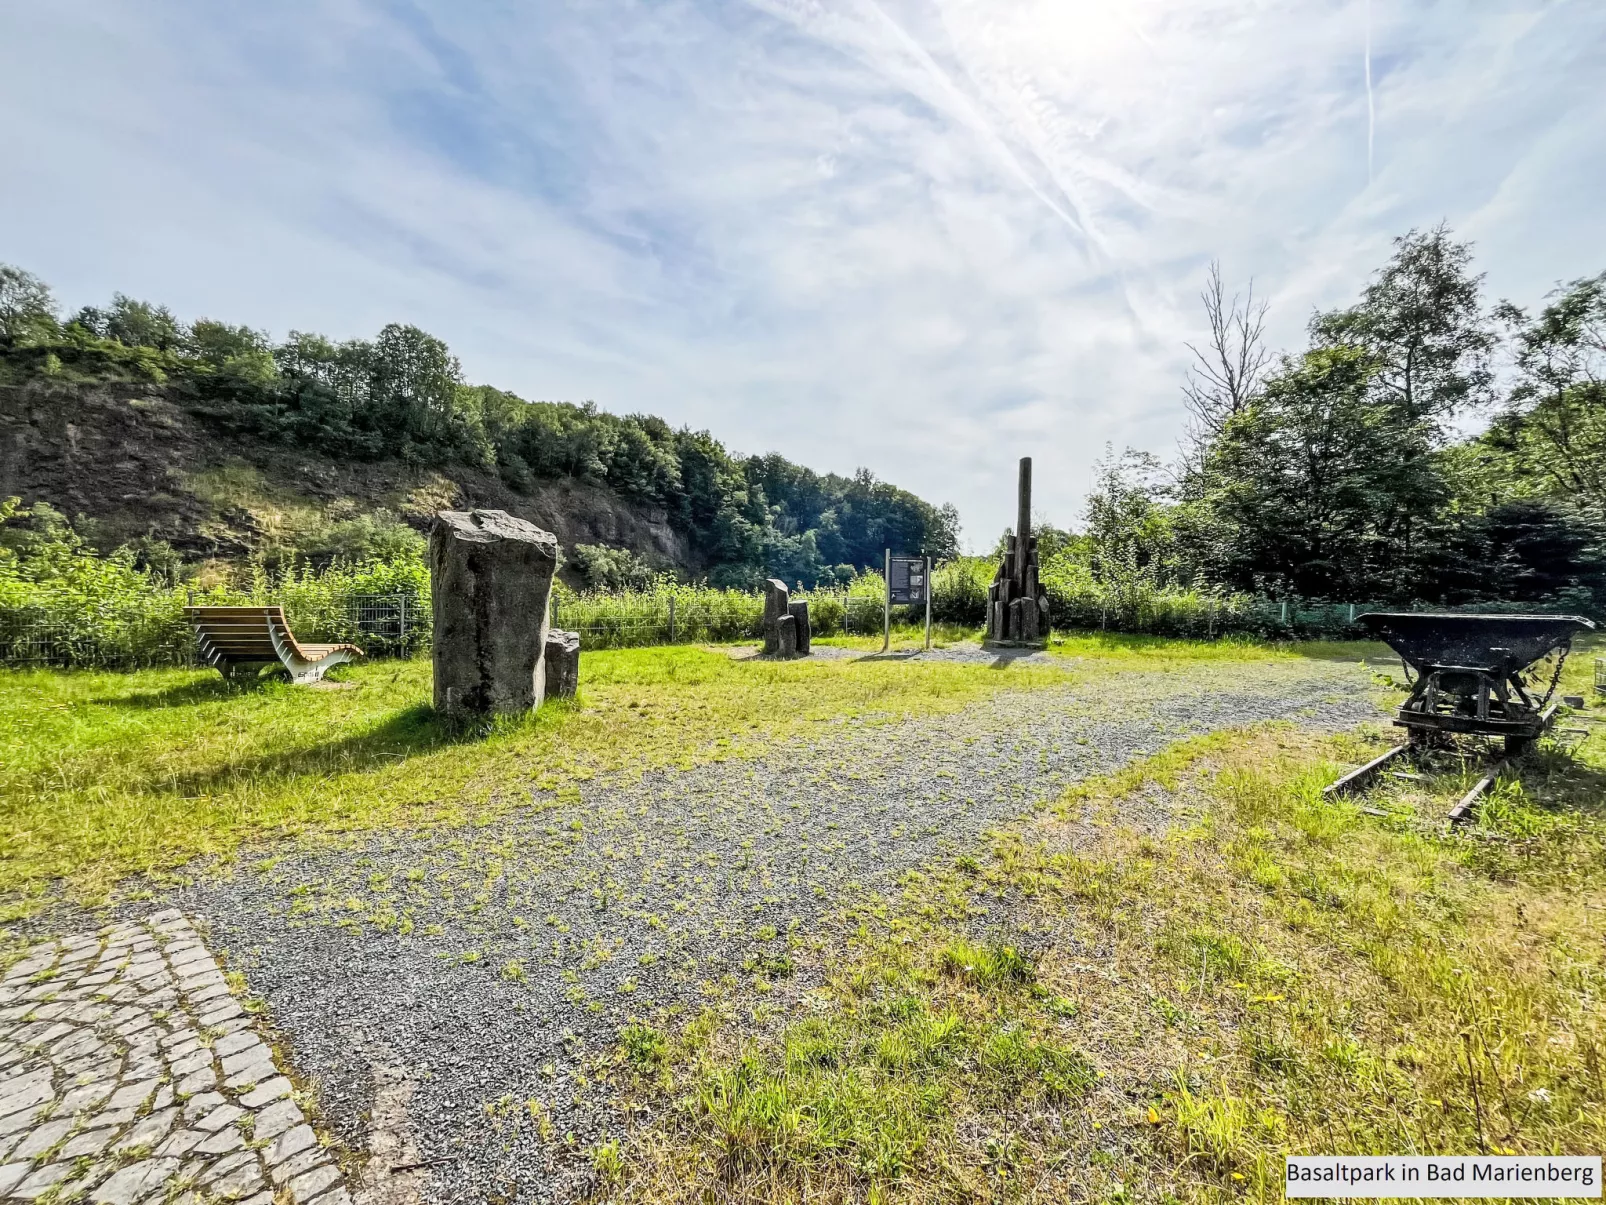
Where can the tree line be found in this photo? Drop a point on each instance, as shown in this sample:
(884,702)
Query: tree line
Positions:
(1343,471)
(404,395)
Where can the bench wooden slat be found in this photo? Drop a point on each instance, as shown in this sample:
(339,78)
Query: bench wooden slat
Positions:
(250,634)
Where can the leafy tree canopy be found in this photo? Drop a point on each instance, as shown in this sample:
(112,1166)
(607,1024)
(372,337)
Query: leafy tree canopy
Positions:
(403,394)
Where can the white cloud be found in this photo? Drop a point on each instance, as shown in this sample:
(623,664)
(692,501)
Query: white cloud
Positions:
(927,236)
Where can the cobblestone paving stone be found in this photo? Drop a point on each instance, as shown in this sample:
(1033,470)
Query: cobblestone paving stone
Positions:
(129,1073)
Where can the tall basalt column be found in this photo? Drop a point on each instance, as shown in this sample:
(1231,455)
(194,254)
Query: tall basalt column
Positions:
(491,583)
(1017,609)
(1023,526)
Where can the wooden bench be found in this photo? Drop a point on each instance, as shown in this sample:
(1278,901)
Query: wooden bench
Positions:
(235,638)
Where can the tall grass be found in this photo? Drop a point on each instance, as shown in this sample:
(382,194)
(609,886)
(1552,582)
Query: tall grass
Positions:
(121,618)
(63,604)
(671,612)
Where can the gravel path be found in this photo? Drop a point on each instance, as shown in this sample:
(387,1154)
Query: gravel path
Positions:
(965,652)
(484,968)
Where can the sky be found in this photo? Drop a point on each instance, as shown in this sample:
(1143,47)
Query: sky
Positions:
(925,237)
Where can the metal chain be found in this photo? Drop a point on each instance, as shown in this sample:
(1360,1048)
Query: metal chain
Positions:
(1555,679)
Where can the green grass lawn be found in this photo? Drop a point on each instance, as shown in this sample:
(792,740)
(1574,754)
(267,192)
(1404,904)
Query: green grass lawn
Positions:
(110,774)
(1164,1017)
(104,775)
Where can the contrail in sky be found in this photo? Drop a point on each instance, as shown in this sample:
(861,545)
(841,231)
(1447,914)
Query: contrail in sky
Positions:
(1371,113)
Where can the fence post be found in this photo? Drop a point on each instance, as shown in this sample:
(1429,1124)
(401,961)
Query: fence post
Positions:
(671,619)
(1285,613)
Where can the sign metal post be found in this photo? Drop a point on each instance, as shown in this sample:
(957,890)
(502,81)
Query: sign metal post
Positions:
(886,610)
(928,604)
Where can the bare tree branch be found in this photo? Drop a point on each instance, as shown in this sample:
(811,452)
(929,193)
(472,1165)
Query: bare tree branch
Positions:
(1226,374)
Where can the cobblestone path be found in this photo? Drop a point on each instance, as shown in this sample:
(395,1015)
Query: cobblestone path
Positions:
(130,1074)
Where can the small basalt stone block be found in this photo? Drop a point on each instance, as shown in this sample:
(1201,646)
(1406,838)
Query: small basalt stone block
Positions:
(562,664)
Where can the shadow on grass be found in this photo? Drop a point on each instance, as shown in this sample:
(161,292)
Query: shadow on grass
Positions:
(402,734)
(1341,650)
(1559,780)
(214,689)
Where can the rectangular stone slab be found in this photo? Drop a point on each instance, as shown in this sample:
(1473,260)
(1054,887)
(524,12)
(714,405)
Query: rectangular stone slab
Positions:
(799,611)
(490,584)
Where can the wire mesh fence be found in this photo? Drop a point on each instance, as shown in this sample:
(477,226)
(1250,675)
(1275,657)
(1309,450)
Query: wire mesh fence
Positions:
(139,630)
(631,620)
(392,625)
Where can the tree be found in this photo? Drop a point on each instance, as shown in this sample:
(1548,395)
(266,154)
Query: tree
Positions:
(1306,485)
(140,324)
(237,352)
(1128,527)
(1422,325)
(1554,427)
(26,306)
(1226,374)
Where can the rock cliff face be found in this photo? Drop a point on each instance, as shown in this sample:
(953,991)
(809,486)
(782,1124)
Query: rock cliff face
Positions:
(134,462)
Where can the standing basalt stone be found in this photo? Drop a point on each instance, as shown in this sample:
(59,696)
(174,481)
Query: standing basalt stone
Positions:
(777,601)
(799,611)
(562,664)
(1017,608)
(490,581)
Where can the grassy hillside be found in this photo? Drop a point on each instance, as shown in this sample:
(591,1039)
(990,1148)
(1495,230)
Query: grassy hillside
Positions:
(141,468)
(208,441)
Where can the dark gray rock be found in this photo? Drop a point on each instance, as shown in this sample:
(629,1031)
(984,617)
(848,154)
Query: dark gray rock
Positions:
(491,581)
(786,636)
(1017,610)
(799,611)
(776,601)
(562,664)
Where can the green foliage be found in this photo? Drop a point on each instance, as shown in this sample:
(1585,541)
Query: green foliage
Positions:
(1551,437)
(644,1047)
(989,965)
(61,602)
(1421,326)
(26,307)
(403,395)
(607,568)
(1310,487)
(1338,478)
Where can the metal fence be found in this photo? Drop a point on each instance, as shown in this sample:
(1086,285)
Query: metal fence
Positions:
(627,621)
(392,625)
(149,631)
(34,636)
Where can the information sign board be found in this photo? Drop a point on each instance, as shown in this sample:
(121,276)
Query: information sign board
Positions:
(906,580)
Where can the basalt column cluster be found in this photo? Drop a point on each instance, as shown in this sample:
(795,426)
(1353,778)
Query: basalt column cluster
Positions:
(1017,608)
